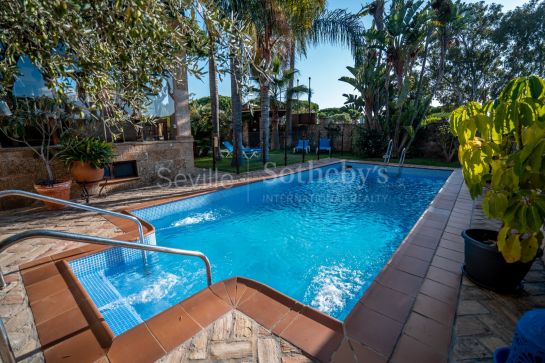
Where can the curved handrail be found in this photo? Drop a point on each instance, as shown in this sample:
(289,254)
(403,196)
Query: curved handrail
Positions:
(43,198)
(402,158)
(388,154)
(5,243)
(6,352)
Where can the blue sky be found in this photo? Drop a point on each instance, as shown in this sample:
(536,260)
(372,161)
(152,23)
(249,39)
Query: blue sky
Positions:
(325,64)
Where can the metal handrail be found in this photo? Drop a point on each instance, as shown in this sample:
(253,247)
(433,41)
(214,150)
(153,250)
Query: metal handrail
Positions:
(388,154)
(6,352)
(43,198)
(402,158)
(41,233)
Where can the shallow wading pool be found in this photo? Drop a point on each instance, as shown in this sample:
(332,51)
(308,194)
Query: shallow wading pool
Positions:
(319,236)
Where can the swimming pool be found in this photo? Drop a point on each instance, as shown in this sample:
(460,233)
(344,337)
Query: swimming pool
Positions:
(319,236)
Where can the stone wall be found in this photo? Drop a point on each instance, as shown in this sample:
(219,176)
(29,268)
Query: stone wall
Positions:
(20,168)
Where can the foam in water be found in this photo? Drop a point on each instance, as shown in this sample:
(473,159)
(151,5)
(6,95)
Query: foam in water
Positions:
(332,286)
(196,219)
(156,291)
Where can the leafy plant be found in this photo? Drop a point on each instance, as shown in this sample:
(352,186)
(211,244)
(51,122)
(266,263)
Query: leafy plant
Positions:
(369,142)
(38,123)
(97,153)
(502,149)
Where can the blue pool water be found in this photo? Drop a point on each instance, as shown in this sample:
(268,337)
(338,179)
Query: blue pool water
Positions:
(320,237)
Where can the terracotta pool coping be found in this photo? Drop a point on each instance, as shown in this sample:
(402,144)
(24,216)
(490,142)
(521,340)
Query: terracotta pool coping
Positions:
(405,315)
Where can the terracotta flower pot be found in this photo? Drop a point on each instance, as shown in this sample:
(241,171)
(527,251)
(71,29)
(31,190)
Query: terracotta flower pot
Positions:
(85,173)
(59,190)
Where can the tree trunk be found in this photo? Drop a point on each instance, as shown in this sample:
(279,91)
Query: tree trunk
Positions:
(440,73)
(421,76)
(214,99)
(49,169)
(180,95)
(289,104)
(274,125)
(265,120)
(387,99)
(236,106)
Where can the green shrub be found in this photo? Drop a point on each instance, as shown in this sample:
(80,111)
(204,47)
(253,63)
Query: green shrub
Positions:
(97,153)
(502,151)
(369,143)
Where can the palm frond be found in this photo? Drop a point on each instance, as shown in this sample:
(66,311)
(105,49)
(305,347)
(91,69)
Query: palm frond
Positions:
(338,27)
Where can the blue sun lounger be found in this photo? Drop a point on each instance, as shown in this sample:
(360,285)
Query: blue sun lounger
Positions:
(302,144)
(247,153)
(324,144)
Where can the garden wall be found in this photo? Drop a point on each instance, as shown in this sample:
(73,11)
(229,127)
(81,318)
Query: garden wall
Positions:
(341,134)
(19,168)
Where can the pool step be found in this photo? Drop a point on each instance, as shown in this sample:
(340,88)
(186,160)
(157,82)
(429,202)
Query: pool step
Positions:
(120,315)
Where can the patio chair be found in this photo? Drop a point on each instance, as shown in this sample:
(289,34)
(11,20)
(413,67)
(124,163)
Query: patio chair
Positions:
(228,151)
(324,144)
(302,145)
(247,153)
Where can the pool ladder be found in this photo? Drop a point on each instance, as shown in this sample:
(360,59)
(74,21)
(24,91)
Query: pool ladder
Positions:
(402,157)
(388,153)
(401,160)
(6,352)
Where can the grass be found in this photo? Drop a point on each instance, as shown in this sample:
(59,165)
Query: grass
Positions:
(277,159)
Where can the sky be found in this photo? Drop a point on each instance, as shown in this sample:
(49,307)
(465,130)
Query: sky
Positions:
(325,64)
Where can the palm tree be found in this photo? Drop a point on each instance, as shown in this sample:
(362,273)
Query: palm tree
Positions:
(368,80)
(236,102)
(270,22)
(336,27)
(447,16)
(235,15)
(405,24)
(213,83)
(280,87)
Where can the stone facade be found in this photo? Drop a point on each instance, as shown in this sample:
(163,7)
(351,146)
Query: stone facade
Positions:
(236,338)
(156,160)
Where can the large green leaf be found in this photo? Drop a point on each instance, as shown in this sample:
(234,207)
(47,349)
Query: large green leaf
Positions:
(529,248)
(537,87)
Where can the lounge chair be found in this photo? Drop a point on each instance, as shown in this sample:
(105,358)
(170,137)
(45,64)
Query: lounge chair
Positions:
(302,145)
(324,144)
(247,153)
(228,151)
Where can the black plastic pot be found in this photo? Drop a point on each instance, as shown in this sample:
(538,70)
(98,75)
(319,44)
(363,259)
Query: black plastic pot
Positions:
(485,265)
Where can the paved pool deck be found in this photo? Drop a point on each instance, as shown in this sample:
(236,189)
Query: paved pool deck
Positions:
(418,309)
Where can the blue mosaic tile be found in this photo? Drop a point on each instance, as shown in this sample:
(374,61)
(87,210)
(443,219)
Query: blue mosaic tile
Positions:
(119,315)
(121,318)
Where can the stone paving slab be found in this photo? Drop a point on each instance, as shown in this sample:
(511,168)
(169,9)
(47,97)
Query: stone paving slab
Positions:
(236,337)
(486,320)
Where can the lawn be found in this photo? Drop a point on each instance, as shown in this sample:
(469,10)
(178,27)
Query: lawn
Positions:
(277,159)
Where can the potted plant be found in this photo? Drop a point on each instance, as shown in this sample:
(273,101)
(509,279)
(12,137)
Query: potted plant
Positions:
(37,123)
(502,149)
(86,158)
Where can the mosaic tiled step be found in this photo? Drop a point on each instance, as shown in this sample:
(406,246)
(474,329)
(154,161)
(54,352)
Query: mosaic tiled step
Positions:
(120,315)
